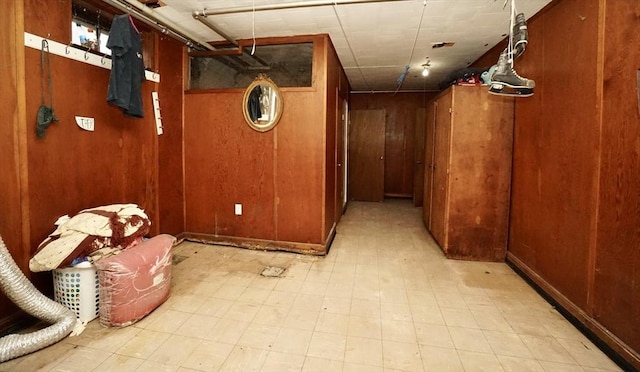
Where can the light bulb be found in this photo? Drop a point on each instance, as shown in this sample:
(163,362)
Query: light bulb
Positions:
(425,71)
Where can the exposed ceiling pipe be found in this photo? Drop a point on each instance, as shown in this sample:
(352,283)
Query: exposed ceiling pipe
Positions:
(201,15)
(203,19)
(277,6)
(159,22)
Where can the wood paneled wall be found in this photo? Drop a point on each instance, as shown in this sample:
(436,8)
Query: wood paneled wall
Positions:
(616,279)
(556,143)
(78,169)
(337,89)
(72,169)
(280,177)
(171,67)
(401,115)
(575,206)
(12,103)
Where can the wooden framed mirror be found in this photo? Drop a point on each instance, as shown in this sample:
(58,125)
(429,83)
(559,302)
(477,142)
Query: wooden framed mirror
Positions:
(262,104)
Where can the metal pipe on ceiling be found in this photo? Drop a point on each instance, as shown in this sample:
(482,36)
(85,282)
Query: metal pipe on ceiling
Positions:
(278,6)
(201,15)
(203,19)
(159,22)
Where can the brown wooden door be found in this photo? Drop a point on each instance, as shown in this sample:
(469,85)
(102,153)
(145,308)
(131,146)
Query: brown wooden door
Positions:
(366,155)
(442,144)
(418,158)
(430,129)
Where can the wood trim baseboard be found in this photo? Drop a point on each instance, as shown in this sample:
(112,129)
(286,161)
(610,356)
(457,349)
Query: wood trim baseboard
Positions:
(330,237)
(615,348)
(256,244)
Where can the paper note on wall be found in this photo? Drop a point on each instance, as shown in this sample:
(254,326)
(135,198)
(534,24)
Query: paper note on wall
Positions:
(156,112)
(85,123)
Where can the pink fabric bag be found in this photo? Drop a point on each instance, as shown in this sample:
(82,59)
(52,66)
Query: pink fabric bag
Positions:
(135,282)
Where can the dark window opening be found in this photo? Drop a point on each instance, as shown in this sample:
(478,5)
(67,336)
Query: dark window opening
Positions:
(287,65)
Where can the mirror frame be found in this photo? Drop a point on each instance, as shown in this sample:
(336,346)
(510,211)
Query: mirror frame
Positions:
(262,80)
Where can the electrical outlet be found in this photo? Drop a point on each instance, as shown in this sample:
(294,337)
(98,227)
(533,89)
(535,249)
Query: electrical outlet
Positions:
(238,209)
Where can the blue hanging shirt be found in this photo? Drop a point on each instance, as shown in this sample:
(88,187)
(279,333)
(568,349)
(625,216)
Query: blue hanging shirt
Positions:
(127,68)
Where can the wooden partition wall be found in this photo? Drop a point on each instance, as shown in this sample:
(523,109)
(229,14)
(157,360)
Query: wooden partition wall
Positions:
(171,66)
(575,204)
(12,108)
(337,93)
(400,121)
(73,169)
(285,178)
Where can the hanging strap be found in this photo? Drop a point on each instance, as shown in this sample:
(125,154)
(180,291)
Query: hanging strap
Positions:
(45,68)
(45,113)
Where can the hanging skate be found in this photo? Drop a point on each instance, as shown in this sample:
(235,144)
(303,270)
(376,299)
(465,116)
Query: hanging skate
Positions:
(504,80)
(504,90)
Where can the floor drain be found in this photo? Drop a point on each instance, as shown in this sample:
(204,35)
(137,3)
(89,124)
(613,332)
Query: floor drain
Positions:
(273,271)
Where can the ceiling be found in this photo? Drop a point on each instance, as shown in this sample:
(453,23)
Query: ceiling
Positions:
(374,41)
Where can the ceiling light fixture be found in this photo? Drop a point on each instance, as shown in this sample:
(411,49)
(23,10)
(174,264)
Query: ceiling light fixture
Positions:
(425,68)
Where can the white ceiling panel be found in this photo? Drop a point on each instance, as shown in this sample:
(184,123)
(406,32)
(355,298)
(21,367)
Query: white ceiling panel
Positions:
(375,40)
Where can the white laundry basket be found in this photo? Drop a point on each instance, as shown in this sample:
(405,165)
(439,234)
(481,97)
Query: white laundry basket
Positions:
(77,288)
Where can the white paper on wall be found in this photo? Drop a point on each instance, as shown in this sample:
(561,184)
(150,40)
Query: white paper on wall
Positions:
(85,123)
(156,112)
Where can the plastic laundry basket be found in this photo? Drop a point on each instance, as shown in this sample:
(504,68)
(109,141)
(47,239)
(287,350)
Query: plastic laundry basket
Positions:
(77,288)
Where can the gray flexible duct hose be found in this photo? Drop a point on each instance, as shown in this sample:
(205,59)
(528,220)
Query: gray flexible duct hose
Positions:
(22,293)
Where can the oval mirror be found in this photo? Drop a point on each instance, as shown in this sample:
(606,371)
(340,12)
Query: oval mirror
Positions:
(262,104)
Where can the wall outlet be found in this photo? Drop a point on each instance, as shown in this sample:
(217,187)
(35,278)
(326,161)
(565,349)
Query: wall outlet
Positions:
(238,209)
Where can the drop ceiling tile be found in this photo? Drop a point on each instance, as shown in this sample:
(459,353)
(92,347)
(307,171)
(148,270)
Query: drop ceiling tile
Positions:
(381,35)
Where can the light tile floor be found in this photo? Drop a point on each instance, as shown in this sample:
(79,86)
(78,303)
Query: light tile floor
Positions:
(383,299)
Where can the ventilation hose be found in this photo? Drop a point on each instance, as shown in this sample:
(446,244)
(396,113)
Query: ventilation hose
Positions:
(21,292)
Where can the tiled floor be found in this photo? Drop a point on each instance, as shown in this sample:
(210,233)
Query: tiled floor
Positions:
(383,299)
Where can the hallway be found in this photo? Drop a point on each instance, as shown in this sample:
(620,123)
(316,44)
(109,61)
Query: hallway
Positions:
(383,299)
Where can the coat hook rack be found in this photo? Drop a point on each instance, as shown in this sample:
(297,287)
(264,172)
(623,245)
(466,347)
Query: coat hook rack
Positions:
(80,55)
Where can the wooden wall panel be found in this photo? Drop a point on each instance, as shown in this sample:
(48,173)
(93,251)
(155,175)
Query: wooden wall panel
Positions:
(526,174)
(279,176)
(479,174)
(299,168)
(418,156)
(555,149)
(341,138)
(170,144)
(303,139)
(337,91)
(72,169)
(430,132)
(332,112)
(617,261)
(227,162)
(12,108)
(575,207)
(442,142)
(400,121)
(50,19)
